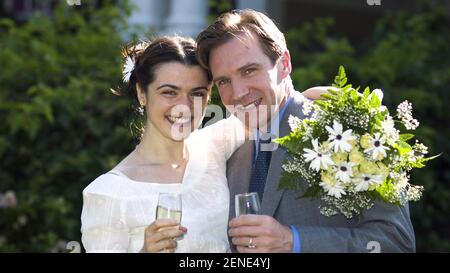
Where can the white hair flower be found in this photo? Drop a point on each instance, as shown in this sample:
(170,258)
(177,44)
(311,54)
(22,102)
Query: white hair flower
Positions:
(128,68)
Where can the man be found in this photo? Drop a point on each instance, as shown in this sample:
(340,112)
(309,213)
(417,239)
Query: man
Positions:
(249,61)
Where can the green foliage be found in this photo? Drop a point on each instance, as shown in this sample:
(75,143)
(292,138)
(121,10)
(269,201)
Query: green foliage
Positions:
(61,126)
(408,57)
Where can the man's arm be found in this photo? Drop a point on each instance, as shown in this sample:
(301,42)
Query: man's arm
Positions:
(384,228)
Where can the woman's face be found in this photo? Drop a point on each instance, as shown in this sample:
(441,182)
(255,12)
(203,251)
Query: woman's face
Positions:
(176,100)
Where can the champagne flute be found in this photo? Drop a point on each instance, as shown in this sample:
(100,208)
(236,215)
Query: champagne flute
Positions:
(247,203)
(169,206)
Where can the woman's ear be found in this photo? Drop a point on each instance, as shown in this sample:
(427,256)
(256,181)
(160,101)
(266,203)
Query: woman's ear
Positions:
(141,95)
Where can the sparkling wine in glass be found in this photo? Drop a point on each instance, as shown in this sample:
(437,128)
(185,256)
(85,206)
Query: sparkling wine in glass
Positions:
(247,203)
(169,206)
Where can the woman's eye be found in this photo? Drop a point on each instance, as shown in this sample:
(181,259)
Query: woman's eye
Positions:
(170,93)
(198,94)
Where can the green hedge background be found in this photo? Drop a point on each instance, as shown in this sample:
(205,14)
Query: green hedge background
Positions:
(61,127)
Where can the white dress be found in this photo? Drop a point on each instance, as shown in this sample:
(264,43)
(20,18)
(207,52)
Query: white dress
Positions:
(116,209)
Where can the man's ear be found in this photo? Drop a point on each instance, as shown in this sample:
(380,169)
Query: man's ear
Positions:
(141,95)
(285,63)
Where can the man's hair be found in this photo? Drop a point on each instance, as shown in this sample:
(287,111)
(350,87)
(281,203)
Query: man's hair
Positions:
(238,22)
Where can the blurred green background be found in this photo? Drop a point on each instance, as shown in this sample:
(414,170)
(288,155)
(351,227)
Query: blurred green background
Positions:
(61,127)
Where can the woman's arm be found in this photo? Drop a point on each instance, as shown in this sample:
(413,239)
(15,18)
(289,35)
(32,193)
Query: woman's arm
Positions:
(314,93)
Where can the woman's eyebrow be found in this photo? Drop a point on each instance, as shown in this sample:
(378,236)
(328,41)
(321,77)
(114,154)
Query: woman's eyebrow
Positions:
(168,85)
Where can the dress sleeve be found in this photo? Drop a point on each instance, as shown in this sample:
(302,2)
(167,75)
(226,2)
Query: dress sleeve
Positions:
(103,224)
(227,135)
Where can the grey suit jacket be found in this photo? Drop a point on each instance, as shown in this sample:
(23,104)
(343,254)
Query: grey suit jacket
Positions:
(385,225)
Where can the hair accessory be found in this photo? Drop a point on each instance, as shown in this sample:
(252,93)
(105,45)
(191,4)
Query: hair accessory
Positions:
(128,68)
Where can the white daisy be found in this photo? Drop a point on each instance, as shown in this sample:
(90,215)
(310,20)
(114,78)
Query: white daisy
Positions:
(318,157)
(364,181)
(333,187)
(344,171)
(377,150)
(338,139)
(127,69)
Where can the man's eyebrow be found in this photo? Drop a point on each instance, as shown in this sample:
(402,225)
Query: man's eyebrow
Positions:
(242,68)
(168,85)
(219,78)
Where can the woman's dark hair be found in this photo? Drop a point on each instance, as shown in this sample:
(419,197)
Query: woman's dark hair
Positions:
(148,55)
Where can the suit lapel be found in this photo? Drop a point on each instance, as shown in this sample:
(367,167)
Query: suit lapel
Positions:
(239,170)
(272,195)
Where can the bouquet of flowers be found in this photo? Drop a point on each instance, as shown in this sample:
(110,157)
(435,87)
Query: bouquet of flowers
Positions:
(349,152)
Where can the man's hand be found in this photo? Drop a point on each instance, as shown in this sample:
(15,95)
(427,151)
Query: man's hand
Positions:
(259,234)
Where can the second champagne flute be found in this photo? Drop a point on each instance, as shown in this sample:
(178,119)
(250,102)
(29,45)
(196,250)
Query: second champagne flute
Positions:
(247,203)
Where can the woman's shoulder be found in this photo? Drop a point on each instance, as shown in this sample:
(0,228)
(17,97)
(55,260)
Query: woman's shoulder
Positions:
(218,130)
(108,184)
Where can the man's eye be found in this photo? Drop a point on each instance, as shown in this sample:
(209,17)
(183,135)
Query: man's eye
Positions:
(249,71)
(222,82)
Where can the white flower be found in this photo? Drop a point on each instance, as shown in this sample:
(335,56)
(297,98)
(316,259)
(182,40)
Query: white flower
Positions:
(377,150)
(344,171)
(294,122)
(318,157)
(128,68)
(307,107)
(364,181)
(404,112)
(389,131)
(339,140)
(333,187)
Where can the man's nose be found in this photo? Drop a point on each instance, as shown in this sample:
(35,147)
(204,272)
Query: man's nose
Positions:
(239,89)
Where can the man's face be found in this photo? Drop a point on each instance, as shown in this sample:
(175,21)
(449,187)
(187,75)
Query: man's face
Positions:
(248,83)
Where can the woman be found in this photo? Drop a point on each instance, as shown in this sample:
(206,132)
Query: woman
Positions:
(173,90)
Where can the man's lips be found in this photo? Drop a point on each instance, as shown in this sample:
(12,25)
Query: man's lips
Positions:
(250,105)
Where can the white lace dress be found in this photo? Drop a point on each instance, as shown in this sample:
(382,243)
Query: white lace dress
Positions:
(116,209)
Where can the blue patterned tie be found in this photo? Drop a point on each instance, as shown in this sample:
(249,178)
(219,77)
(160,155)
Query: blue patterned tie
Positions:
(260,168)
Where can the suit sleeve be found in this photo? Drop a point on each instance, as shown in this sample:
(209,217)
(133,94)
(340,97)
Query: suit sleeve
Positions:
(384,228)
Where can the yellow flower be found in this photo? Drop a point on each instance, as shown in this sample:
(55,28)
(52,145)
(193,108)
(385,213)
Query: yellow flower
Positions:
(379,156)
(353,142)
(339,157)
(328,178)
(366,141)
(356,156)
(325,145)
(368,167)
(383,169)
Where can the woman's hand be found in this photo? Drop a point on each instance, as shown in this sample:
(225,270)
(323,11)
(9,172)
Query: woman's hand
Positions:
(314,93)
(160,236)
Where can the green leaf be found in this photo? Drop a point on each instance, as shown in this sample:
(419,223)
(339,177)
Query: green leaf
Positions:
(312,192)
(406,137)
(341,79)
(403,147)
(374,101)
(287,181)
(366,92)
